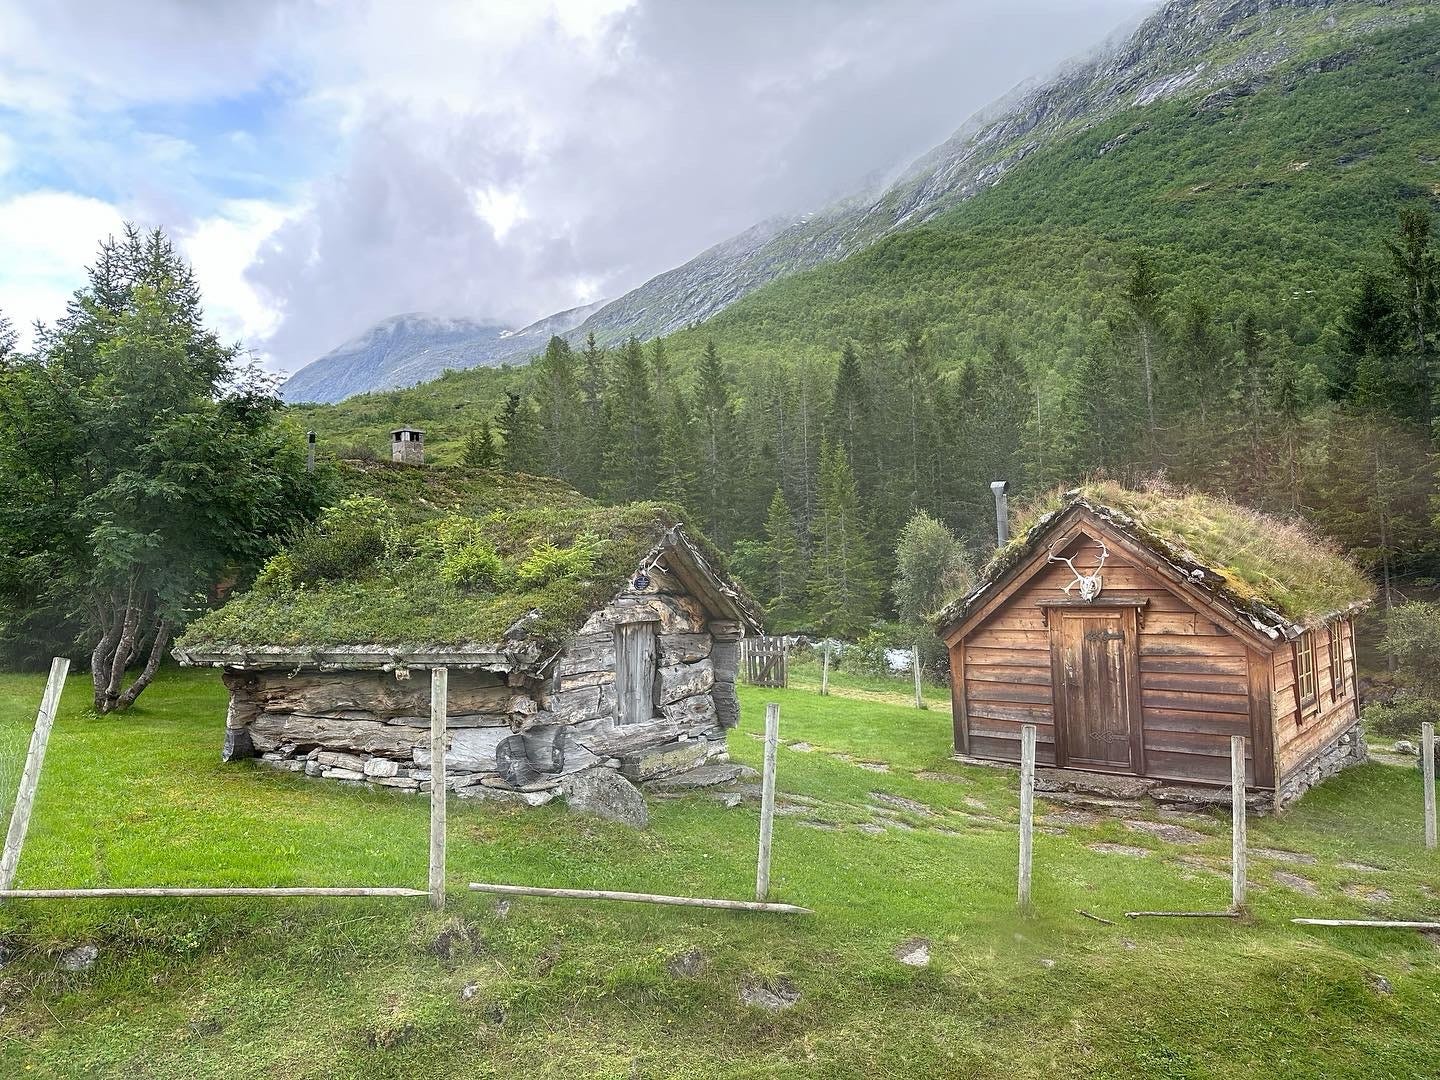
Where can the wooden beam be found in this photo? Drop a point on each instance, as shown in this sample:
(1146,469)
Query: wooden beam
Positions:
(915,668)
(1378,924)
(1182,914)
(825,670)
(767,800)
(30,777)
(439,706)
(1427,771)
(1237,822)
(101,894)
(1027,808)
(641,898)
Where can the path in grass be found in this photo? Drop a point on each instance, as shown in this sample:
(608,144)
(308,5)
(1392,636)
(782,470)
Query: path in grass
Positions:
(550,988)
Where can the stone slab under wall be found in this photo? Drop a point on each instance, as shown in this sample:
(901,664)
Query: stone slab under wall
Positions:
(1349,749)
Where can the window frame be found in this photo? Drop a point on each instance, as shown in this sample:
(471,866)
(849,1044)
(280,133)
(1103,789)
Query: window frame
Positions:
(1305,666)
(1337,661)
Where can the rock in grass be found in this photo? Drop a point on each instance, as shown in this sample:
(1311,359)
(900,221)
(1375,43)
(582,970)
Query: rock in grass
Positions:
(914,953)
(772,995)
(1379,983)
(690,964)
(80,958)
(469,992)
(606,794)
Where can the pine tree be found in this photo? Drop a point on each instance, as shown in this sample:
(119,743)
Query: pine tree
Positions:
(675,471)
(1417,270)
(632,441)
(559,400)
(593,432)
(785,562)
(843,590)
(716,429)
(521,434)
(1141,297)
(1370,338)
(480,450)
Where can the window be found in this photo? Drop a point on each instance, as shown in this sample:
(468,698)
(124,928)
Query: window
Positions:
(1305,668)
(1337,660)
(634,672)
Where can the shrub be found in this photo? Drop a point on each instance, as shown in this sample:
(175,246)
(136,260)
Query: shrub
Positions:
(869,655)
(474,565)
(1412,638)
(346,543)
(1400,718)
(547,563)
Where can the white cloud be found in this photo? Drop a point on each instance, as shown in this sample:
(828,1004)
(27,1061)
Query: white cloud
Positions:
(7,153)
(220,249)
(48,238)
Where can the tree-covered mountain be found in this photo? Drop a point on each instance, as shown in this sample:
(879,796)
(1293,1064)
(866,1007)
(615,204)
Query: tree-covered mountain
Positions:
(1232,283)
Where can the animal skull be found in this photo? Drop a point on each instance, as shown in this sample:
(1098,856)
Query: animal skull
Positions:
(1090,584)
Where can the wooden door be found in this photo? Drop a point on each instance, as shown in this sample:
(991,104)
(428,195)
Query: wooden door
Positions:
(634,672)
(1095,660)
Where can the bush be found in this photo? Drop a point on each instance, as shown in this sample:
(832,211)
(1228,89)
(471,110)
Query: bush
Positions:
(1400,718)
(868,656)
(548,563)
(475,565)
(345,544)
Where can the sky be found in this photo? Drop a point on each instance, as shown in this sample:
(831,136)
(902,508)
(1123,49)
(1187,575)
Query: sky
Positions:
(325,164)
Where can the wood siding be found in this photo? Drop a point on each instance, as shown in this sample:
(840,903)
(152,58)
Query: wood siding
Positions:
(1303,729)
(1196,679)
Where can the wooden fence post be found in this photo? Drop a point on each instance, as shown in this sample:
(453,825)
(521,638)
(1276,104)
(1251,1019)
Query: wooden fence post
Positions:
(825,671)
(1237,822)
(30,777)
(1427,771)
(767,800)
(1027,807)
(439,706)
(915,668)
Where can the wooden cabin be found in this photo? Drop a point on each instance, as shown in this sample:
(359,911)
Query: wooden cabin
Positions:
(588,638)
(1139,631)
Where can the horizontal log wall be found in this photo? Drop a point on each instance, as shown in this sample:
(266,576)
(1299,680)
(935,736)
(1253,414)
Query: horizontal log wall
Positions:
(1305,731)
(370,727)
(1194,675)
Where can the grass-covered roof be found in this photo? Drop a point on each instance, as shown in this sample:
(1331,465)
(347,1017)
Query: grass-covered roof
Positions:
(447,557)
(1279,572)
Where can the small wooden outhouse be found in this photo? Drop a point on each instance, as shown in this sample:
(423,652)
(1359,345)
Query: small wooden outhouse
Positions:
(1139,630)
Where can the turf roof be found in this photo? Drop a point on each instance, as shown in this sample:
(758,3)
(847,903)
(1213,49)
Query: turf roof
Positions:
(443,556)
(1277,572)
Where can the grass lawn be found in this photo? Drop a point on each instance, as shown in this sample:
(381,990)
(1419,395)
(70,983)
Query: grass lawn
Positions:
(370,988)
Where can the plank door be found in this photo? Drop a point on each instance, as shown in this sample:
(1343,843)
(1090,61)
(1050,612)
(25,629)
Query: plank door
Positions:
(1094,653)
(635,672)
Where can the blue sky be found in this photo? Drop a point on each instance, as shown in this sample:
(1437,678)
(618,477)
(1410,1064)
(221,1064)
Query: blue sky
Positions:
(325,165)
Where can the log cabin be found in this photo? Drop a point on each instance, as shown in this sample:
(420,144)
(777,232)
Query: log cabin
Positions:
(576,637)
(1139,630)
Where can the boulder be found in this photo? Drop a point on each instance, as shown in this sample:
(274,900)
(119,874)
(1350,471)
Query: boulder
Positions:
(80,958)
(670,759)
(377,767)
(606,794)
(238,744)
(674,682)
(702,777)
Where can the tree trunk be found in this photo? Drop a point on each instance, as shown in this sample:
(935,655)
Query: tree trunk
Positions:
(104,649)
(124,652)
(152,665)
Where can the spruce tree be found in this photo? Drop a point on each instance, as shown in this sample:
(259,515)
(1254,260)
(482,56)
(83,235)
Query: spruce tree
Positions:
(632,440)
(559,401)
(843,589)
(1417,270)
(592,422)
(1141,297)
(1371,337)
(521,434)
(675,470)
(716,429)
(784,562)
(480,450)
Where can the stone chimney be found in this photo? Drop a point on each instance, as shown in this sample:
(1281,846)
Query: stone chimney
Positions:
(407,446)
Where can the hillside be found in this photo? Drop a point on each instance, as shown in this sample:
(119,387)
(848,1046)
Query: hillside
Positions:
(1268,195)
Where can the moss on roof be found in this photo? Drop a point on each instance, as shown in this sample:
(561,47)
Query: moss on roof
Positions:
(1260,564)
(441,556)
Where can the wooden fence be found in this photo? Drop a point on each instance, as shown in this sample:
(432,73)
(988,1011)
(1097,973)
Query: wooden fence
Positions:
(766,661)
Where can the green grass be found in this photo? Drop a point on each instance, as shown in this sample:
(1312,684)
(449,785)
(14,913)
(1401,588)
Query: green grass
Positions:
(356,988)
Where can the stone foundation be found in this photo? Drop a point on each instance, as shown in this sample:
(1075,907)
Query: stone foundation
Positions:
(1349,749)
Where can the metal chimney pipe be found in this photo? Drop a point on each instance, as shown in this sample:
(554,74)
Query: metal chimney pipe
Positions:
(310,451)
(1002,512)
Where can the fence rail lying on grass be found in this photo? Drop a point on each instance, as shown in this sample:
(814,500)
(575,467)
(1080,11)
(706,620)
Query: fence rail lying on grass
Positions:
(641,898)
(300,890)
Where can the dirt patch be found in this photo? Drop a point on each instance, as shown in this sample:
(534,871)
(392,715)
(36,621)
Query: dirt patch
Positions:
(914,953)
(1072,818)
(1360,867)
(1277,855)
(772,995)
(1167,831)
(1367,894)
(874,766)
(1120,849)
(941,778)
(899,802)
(1296,882)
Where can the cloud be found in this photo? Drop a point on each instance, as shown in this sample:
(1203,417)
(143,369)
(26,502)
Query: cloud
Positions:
(48,238)
(328,165)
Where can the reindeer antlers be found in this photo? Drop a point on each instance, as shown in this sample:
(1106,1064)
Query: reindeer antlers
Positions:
(1090,583)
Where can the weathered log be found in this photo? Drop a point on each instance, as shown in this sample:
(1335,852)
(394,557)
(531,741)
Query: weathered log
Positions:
(367,736)
(669,759)
(674,682)
(363,694)
(672,614)
(683,648)
(640,898)
(693,711)
(587,652)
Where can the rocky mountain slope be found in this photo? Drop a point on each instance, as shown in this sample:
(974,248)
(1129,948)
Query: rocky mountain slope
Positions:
(1189,47)
(417,347)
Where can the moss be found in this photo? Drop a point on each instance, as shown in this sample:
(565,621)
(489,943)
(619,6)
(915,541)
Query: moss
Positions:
(1259,559)
(472,552)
